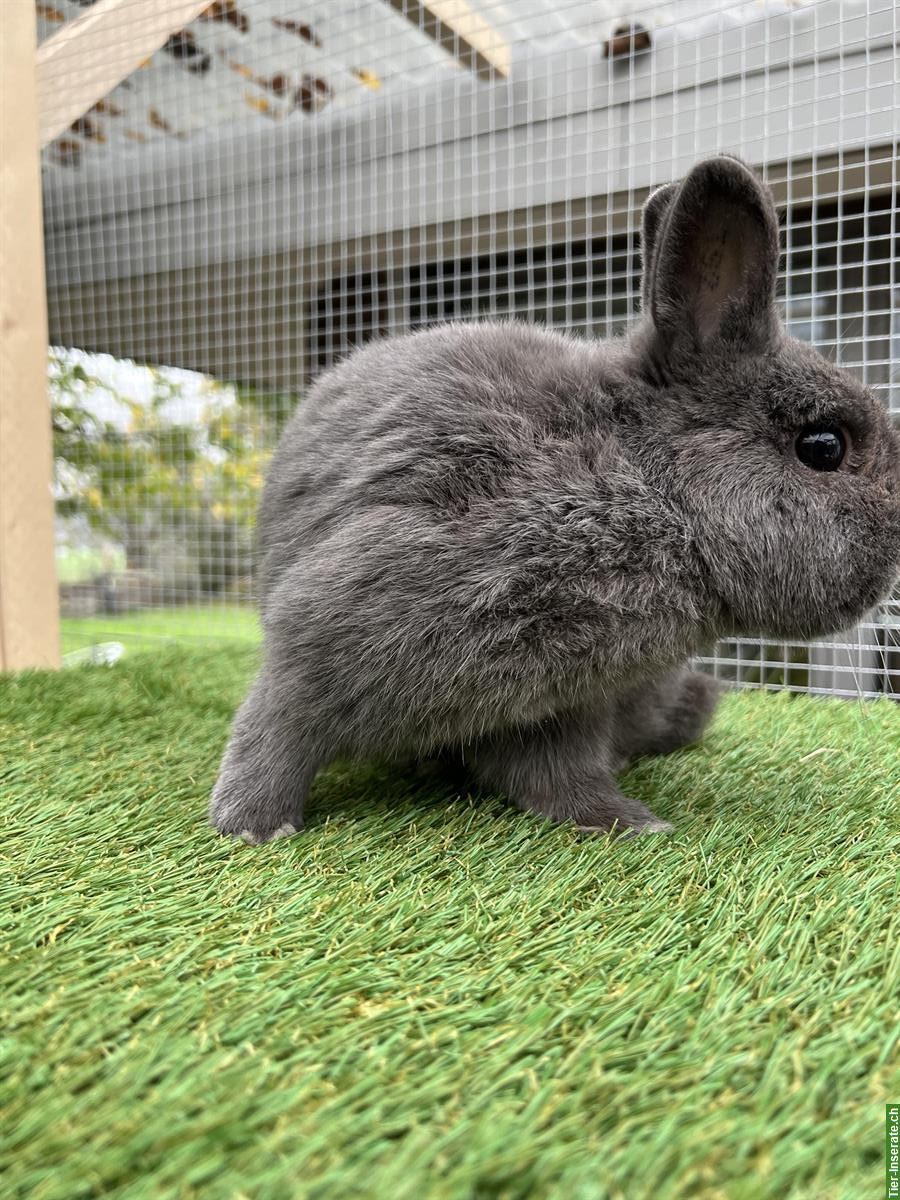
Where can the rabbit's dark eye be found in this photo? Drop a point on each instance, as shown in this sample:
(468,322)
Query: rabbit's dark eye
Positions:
(823,449)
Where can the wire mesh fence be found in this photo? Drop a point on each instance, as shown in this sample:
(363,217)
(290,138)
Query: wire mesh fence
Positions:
(285,180)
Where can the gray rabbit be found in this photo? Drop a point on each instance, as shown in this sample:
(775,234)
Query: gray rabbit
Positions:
(503,543)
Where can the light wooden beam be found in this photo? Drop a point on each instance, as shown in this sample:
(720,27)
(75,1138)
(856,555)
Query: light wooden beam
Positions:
(84,60)
(463,32)
(29,605)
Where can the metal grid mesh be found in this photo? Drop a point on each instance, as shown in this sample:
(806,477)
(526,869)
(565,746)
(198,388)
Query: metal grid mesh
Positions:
(285,180)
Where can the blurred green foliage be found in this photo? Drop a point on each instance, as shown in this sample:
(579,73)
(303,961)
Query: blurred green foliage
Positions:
(162,471)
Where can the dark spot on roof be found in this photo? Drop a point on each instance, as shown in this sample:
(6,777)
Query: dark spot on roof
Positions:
(158,121)
(88,129)
(300,28)
(626,41)
(49,13)
(279,84)
(183,46)
(107,108)
(228,13)
(312,94)
(66,152)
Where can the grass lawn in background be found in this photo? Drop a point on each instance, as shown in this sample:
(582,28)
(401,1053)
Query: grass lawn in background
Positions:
(424,996)
(148,628)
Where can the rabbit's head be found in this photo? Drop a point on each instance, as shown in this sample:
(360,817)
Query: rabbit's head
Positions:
(787,467)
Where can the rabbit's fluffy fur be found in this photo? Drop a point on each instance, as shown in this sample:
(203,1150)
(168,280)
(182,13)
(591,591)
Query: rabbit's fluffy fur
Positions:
(501,543)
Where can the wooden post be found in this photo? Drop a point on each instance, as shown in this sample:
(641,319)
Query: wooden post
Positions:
(29,599)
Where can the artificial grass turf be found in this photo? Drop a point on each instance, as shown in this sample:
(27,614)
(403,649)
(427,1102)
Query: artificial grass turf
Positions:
(423,996)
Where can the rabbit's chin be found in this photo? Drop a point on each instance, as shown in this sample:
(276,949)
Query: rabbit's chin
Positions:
(810,627)
(776,597)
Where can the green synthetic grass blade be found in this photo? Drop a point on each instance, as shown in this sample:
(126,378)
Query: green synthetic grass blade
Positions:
(434,996)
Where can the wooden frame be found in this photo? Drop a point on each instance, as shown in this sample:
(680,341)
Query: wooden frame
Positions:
(461,31)
(29,604)
(89,56)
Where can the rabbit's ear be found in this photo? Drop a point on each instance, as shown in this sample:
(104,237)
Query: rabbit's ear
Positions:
(713,273)
(655,209)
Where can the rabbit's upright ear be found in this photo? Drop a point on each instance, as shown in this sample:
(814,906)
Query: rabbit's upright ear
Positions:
(716,260)
(655,209)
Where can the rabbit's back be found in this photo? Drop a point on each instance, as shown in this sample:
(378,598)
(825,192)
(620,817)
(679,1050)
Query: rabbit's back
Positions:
(439,420)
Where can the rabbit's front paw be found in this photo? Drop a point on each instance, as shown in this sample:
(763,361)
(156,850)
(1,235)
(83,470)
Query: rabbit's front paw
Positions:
(249,815)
